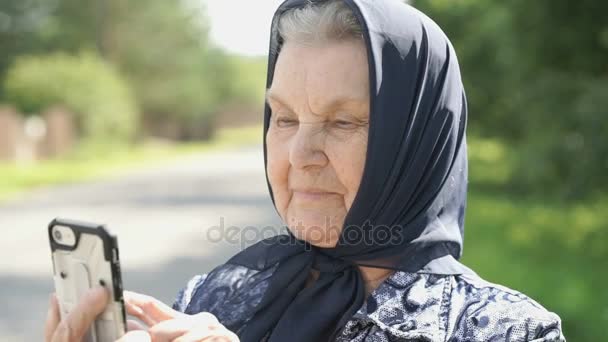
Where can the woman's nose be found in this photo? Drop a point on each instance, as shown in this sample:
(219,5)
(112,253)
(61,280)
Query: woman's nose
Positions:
(308,146)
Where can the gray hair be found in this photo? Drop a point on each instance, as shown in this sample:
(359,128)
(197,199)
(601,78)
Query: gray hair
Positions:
(323,22)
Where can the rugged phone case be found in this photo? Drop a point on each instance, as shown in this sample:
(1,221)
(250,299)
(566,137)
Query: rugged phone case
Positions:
(92,260)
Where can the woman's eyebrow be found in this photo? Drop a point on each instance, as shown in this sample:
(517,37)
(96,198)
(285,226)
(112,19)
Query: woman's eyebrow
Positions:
(328,107)
(271,96)
(342,102)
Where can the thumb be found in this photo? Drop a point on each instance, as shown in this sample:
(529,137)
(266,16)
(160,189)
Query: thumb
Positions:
(78,321)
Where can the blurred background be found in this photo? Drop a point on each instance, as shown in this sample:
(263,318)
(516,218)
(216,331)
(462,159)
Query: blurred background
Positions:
(147,115)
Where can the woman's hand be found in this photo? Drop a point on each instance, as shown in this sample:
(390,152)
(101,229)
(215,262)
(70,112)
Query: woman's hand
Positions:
(163,323)
(75,325)
(166,324)
(78,321)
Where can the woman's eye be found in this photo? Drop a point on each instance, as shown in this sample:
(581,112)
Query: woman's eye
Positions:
(344,124)
(286,122)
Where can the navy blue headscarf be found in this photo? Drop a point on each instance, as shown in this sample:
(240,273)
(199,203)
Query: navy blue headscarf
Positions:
(413,186)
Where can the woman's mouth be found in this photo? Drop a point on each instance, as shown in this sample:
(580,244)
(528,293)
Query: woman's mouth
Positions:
(312,195)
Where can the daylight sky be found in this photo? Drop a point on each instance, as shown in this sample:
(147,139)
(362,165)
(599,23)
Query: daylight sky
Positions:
(241,26)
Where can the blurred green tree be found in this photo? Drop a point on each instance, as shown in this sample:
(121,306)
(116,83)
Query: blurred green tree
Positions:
(83,83)
(533,71)
(536,75)
(161,47)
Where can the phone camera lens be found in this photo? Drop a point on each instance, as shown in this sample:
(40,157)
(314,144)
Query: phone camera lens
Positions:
(57,235)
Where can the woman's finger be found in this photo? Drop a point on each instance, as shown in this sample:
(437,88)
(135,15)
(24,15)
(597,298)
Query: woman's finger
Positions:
(207,335)
(80,318)
(194,335)
(138,313)
(169,330)
(206,318)
(53,317)
(133,325)
(135,336)
(149,309)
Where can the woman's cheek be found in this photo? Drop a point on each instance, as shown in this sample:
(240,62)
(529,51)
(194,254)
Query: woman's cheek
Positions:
(278,170)
(349,161)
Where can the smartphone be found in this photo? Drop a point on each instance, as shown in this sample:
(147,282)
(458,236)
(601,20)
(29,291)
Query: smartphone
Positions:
(85,255)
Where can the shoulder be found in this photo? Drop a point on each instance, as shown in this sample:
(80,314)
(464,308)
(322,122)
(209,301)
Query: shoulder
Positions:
(230,292)
(406,306)
(184,295)
(482,310)
(452,308)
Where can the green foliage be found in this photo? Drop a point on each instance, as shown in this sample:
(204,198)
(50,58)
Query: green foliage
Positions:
(565,145)
(552,250)
(535,72)
(101,100)
(162,49)
(249,75)
(536,79)
(41,27)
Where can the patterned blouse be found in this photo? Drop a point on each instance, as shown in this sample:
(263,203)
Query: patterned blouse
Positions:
(405,307)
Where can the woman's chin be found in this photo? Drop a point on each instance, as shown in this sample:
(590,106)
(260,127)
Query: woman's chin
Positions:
(316,233)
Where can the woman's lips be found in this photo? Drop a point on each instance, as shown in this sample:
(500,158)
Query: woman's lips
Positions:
(312,195)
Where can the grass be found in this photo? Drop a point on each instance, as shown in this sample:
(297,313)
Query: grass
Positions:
(92,161)
(552,250)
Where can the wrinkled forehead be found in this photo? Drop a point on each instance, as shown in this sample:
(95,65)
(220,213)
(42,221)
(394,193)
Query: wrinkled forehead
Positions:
(321,77)
(386,25)
(277,43)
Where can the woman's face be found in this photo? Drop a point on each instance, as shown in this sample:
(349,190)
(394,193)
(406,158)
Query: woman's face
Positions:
(317,139)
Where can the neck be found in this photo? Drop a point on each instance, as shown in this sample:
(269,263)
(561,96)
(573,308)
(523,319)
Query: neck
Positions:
(372,277)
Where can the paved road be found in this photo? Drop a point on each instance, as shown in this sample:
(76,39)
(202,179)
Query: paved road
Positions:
(162,216)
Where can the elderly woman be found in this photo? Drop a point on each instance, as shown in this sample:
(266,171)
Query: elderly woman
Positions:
(365,155)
